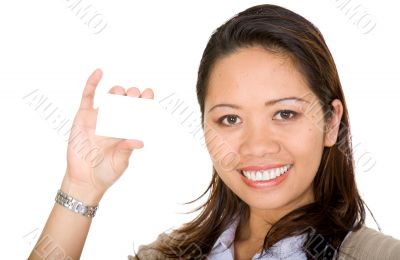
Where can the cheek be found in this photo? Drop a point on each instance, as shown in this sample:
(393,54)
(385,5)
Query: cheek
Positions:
(303,137)
(222,150)
(306,148)
(307,140)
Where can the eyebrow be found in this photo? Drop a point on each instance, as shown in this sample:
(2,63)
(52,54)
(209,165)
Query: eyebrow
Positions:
(268,103)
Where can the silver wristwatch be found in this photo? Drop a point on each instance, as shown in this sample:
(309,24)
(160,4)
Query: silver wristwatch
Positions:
(75,205)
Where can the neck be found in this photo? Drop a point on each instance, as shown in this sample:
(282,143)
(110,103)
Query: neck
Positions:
(256,227)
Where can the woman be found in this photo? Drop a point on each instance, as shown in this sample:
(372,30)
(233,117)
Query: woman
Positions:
(276,126)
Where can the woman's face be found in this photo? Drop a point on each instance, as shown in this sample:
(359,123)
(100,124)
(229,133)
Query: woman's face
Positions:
(257,116)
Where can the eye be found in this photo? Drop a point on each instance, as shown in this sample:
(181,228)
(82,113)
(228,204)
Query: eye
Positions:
(285,115)
(228,120)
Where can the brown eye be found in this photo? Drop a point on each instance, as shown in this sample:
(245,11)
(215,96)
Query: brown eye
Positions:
(285,115)
(228,120)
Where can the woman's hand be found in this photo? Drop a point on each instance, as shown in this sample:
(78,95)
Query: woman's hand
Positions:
(94,163)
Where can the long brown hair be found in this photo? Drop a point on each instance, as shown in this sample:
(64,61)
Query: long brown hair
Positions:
(338,207)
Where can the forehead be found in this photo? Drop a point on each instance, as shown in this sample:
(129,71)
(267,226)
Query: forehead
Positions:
(255,74)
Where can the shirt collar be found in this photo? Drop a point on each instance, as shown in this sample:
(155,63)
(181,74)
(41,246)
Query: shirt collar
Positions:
(225,240)
(288,248)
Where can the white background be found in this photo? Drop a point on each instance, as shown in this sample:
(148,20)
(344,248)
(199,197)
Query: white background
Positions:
(158,44)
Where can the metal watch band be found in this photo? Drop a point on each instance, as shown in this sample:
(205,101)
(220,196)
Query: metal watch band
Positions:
(75,205)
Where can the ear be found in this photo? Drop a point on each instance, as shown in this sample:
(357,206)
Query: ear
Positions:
(332,126)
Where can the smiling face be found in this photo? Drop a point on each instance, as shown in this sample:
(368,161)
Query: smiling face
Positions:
(257,105)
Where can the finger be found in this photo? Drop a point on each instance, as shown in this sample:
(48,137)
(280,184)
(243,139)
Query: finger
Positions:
(130,144)
(118,90)
(147,93)
(133,92)
(89,90)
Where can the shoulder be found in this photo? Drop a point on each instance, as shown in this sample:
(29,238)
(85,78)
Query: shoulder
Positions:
(367,243)
(149,251)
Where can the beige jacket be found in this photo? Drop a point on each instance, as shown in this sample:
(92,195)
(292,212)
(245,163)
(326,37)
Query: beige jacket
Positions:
(365,244)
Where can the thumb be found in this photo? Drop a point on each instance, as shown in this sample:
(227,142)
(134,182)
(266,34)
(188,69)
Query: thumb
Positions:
(129,144)
(123,151)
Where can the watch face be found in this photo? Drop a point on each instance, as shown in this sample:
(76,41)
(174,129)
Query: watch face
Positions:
(81,209)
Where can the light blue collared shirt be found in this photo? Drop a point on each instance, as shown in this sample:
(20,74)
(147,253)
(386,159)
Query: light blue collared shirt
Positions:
(288,248)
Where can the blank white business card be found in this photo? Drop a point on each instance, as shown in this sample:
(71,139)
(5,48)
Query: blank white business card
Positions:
(126,117)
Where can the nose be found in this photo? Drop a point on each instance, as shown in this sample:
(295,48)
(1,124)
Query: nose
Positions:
(259,140)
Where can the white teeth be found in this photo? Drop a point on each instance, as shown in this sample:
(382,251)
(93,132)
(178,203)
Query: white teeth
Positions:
(266,174)
(275,173)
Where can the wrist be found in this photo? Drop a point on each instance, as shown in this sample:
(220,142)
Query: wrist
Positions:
(83,192)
